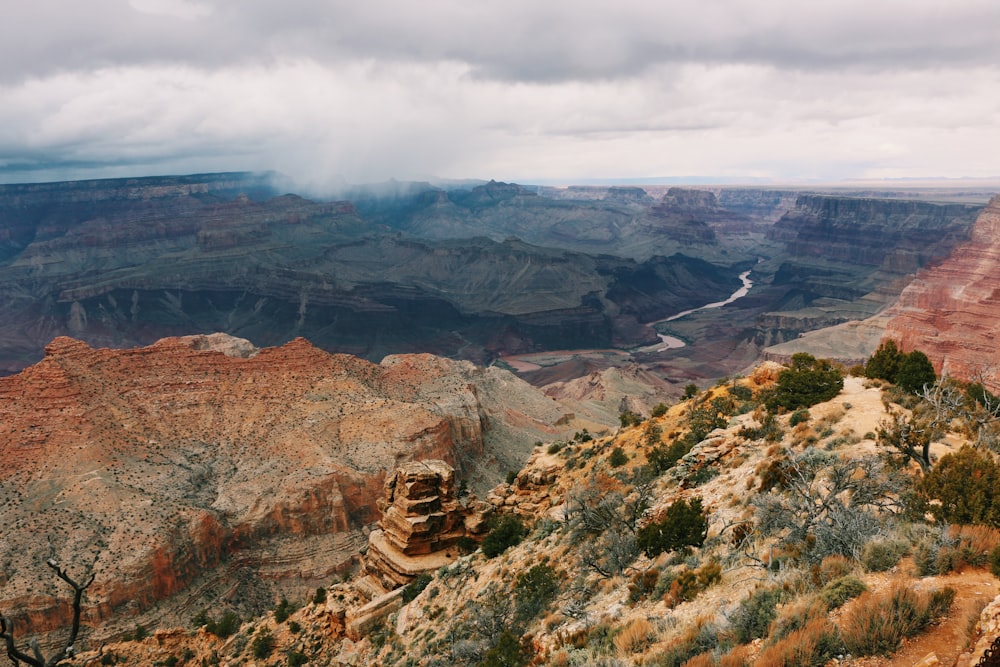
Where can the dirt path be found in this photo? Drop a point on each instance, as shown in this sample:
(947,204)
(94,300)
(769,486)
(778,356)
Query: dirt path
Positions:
(947,639)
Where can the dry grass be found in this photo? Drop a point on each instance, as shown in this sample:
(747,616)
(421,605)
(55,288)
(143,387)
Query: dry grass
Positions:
(702,660)
(634,637)
(813,644)
(877,623)
(832,567)
(738,657)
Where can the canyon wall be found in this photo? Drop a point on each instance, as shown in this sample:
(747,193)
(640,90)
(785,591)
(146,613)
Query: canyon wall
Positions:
(951,311)
(202,470)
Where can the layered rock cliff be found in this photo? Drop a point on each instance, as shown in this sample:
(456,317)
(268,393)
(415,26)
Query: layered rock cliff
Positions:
(122,263)
(951,311)
(203,469)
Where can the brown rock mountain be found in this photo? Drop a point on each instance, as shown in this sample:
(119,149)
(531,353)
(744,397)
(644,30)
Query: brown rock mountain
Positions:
(202,469)
(951,311)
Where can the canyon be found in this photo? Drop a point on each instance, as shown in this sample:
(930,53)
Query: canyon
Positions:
(202,468)
(219,393)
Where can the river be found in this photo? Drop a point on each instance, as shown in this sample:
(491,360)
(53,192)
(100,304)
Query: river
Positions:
(672,342)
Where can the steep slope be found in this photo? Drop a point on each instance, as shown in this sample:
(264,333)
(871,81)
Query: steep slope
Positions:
(951,311)
(202,468)
(742,591)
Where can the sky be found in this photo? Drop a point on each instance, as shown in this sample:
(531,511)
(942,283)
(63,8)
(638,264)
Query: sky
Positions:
(558,91)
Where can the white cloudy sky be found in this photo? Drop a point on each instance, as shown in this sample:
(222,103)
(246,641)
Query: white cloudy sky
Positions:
(522,90)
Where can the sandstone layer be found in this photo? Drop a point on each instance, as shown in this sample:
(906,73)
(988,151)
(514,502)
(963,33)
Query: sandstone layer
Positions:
(422,522)
(951,311)
(202,468)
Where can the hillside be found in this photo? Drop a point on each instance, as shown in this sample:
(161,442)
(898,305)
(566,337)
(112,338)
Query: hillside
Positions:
(203,469)
(808,529)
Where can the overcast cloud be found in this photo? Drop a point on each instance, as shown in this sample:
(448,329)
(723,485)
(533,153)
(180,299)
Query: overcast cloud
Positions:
(514,90)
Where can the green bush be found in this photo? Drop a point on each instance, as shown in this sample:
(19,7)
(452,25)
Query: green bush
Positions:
(754,615)
(294,627)
(507,652)
(805,383)
(690,391)
(662,458)
(884,363)
(283,611)
(296,659)
(659,410)
(995,561)
(839,591)
(915,371)
(263,644)
(967,484)
(684,524)
(882,555)
(416,587)
(225,626)
(320,596)
(534,590)
(506,531)
(617,457)
(798,417)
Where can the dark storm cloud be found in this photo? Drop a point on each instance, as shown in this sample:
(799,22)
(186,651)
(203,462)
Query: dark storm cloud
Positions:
(516,40)
(516,89)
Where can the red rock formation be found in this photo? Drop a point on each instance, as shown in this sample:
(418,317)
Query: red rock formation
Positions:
(422,521)
(198,456)
(952,311)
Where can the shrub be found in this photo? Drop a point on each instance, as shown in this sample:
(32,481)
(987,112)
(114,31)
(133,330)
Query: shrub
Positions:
(263,644)
(800,416)
(511,477)
(684,524)
(839,591)
(225,626)
(690,391)
(915,371)
(634,637)
(877,624)
(283,611)
(629,418)
(882,555)
(296,659)
(687,584)
(416,587)
(642,584)
(659,410)
(554,448)
(967,484)
(507,531)
(320,596)
(755,614)
(534,590)
(833,567)
(811,646)
(796,616)
(662,458)
(995,561)
(700,638)
(617,458)
(807,382)
(294,627)
(884,363)
(466,544)
(507,652)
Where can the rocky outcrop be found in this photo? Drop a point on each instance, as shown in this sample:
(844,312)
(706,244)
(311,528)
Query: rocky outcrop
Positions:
(182,468)
(951,311)
(422,521)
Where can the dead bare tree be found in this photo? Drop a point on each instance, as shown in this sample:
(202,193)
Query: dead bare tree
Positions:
(36,659)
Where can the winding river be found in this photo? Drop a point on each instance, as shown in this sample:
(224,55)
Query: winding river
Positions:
(672,342)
